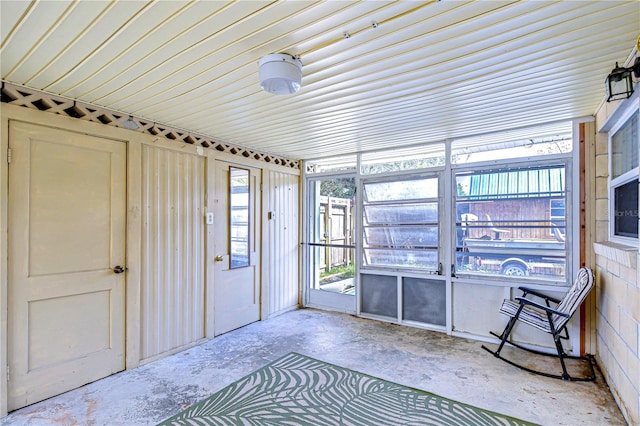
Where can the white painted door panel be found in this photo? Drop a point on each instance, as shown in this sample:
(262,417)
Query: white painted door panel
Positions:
(67,209)
(237,296)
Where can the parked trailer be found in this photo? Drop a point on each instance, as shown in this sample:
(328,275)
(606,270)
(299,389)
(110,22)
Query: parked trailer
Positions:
(516,256)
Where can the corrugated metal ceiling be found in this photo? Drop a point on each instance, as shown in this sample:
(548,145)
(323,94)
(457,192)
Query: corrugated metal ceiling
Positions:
(428,71)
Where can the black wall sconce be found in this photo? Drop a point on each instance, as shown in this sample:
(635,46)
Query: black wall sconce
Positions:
(620,83)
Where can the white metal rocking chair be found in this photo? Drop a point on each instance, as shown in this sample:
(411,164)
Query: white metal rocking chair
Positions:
(550,320)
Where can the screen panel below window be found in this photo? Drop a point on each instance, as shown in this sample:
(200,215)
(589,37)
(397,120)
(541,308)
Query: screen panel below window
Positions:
(379,295)
(424,301)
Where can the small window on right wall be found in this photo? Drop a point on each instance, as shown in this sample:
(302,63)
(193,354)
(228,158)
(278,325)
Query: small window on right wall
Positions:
(624,141)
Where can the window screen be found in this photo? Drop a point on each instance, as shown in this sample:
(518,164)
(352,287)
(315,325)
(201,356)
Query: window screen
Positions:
(512,221)
(400,223)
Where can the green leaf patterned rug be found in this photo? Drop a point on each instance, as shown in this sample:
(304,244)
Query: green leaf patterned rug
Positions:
(298,390)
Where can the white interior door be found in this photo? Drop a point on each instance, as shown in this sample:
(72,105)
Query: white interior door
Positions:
(237,207)
(67,207)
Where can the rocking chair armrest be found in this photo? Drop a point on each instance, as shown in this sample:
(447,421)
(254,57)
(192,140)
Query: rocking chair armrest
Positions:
(527,290)
(545,308)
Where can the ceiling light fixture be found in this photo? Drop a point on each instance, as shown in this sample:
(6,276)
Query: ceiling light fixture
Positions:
(620,83)
(130,124)
(280,73)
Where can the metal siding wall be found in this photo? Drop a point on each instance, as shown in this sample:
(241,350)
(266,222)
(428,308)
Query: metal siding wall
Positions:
(172,280)
(284,282)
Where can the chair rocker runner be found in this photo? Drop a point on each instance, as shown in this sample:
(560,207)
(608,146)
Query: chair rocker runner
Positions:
(550,320)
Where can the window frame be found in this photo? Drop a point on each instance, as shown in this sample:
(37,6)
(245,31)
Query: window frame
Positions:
(434,173)
(549,161)
(628,111)
(236,241)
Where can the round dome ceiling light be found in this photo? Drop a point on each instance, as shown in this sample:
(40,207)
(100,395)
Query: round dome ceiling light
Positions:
(280,73)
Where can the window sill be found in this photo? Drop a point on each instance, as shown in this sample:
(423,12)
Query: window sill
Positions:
(616,252)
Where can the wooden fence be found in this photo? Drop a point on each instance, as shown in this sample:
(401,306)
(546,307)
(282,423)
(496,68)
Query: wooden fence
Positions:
(336,227)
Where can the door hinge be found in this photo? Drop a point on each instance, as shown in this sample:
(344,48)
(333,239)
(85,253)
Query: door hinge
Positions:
(8,373)
(8,155)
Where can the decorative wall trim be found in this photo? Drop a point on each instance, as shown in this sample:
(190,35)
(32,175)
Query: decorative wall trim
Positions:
(35,99)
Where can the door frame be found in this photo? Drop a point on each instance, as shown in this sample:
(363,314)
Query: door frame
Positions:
(258,232)
(319,298)
(4,210)
(133,225)
(27,385)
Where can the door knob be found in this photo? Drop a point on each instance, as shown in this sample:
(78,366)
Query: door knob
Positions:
(218,258)
(119,269)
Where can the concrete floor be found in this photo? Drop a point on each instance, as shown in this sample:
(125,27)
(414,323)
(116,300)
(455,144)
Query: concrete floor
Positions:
(448,366)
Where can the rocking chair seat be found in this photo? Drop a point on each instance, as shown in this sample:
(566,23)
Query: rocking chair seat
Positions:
(530,314)
(552,320)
